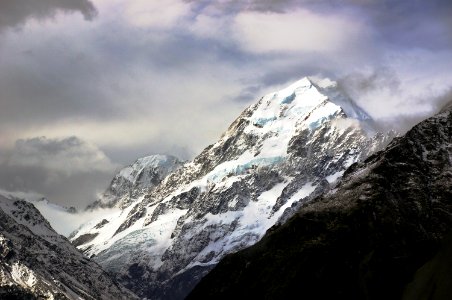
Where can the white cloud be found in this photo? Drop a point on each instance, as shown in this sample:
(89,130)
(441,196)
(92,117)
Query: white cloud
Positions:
(300,30)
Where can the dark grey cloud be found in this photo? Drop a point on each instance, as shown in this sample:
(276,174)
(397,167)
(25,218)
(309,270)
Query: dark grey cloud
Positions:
(17,12)
(381,78)
(41,81)
(69,171)
(52,82)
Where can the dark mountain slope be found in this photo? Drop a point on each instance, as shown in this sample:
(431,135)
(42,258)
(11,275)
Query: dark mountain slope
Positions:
(365,239)
(432,280)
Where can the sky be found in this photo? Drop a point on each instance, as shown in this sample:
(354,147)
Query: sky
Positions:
(89,86)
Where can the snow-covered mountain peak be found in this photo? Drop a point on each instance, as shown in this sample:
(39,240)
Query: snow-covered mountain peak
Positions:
(287,104)
(262,135)
(136,179)
(279,153)
(299,100)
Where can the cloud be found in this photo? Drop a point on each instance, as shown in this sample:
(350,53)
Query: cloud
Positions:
(69,155)
(157,14)
(118,88)
(401,23)
(17,12)
(397,100)
(445,101)
(383,78)
(130,86)
(69,171)
(296,31)
(169,76)
(65,223)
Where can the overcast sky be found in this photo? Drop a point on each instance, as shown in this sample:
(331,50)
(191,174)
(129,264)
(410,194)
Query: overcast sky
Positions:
(88,86)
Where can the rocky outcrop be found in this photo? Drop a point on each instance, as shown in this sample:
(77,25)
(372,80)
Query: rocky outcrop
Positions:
(384,225)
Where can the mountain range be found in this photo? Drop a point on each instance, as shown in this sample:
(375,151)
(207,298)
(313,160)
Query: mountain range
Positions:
(301,194)
(278,154)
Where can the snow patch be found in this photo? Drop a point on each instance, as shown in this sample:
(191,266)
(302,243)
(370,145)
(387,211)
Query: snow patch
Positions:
(23,275)
(334,177)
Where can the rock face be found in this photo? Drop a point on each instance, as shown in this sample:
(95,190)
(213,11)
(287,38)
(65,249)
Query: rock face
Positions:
(366,238)
(280,152)
(37,263)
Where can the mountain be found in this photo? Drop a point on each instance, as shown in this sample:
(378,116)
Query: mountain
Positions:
(137,179)
(387,222)
(37,200)
(37,263)
(64,220)
(57,215)
(280,152)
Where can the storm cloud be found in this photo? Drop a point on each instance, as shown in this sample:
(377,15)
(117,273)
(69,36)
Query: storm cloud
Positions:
(16,12)
(133,78)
